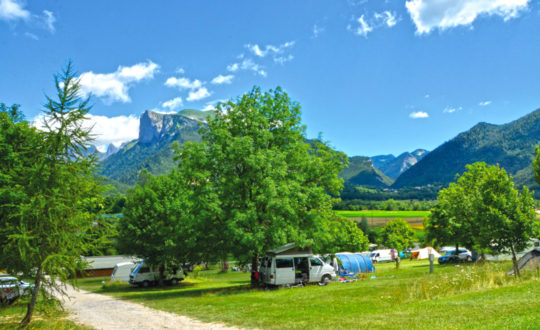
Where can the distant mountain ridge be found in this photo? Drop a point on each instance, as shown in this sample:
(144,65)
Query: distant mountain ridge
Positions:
(153,150)
(361,172)
(510,145)
(393,166)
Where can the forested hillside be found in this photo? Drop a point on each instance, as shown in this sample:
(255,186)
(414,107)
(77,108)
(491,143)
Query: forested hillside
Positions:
(510,145)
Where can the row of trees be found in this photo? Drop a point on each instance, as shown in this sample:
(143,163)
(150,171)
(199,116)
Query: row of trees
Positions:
(254,183)
(483,211)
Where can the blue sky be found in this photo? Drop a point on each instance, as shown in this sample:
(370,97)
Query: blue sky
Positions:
(373,76)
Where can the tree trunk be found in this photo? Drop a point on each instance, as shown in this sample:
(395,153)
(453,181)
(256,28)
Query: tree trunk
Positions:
(161,274)
(255,269)
(32,304)
(514,261)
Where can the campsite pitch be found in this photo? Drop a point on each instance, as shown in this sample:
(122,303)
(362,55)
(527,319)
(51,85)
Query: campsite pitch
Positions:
(456,296)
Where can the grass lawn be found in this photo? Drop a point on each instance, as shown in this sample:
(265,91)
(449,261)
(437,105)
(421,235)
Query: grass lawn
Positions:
(466,296)
(48,315)
(383,214)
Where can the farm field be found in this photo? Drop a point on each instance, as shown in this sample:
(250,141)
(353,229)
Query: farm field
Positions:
(383,214)
(456,296)
(378,218)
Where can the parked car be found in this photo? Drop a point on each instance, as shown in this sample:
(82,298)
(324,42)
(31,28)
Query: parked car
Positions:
(144,275)
(463,255)
(11,289)
(122,271)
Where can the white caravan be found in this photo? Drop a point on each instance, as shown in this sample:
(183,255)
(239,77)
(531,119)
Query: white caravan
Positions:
(122,271)
(381,255)
(289,265)
(145,276)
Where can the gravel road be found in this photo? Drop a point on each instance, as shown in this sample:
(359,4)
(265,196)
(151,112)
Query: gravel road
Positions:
(103,312)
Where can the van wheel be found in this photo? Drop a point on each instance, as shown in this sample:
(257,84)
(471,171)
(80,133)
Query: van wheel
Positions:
(469,258)
(326,279)
(145,284)
(174,281)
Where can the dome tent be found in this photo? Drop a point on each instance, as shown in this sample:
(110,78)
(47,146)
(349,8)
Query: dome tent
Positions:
(355,263)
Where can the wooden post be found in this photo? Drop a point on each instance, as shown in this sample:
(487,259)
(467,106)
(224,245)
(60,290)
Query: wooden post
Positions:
(431,259)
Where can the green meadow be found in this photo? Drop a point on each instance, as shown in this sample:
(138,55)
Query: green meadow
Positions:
(455,296)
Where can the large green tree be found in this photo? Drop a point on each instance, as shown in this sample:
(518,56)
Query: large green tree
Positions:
(272,186)
(397,234)
(483,210)
(47,189)
(155,223)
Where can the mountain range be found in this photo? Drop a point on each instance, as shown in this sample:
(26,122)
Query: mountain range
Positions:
(510,145)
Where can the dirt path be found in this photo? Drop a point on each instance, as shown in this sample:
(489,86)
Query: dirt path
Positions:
(103,312)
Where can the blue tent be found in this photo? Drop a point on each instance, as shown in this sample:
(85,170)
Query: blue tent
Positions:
(355,263)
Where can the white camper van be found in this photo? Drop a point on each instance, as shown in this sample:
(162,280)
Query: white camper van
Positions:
(381,255)
(122,271)
(289,265)
(145,276)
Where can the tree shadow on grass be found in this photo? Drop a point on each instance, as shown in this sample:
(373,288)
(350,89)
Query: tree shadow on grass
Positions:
(160,293)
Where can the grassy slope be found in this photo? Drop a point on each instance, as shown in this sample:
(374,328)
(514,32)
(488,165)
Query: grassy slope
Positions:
(393,299)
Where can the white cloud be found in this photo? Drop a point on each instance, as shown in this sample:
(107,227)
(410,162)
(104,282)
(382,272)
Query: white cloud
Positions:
(316,31)
(484,103)
(363,29)
(269,49)
(387,18)
(452,109)
(12,10)
(173,104)
(31,35)
(247,64)
(114,86)
(378,20)
(183,83)
(180,71)
(49,20)
(418,114)
(444,14)
(212,104)
(283,59)
(107,130)
(221,79)
(233,67)
(198,94)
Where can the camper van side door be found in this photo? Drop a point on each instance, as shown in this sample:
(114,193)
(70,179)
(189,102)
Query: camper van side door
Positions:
(284,271)
(315,269)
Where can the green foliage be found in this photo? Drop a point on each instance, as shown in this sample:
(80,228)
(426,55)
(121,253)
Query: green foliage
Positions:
(397,234)
(358,197)
(483,210)
(536,164)
(269,185)
(342,234)
(47,189)
(155,222)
